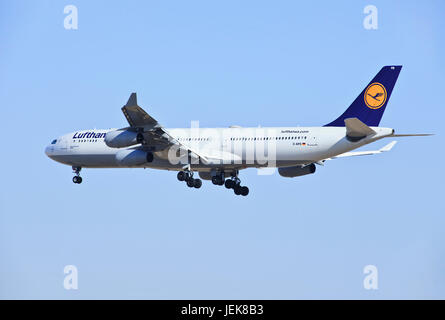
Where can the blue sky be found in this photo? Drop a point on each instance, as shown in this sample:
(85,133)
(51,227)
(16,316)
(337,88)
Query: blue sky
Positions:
(135,233)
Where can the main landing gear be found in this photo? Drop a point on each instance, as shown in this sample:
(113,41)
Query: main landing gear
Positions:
(231,183)
(235,184)
(218,179)
(187,176)
(77,178)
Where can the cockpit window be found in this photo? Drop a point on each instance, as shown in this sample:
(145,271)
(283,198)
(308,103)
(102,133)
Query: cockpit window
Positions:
(54,141)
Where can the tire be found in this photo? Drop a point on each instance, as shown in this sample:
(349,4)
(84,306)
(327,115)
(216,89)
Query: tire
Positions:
(228,184)
(75,179)
(150,157)
(237,190)
(181,176)
(215,180)
(221,181)
(79,180)
(190,183)
(244,191)
(197,183)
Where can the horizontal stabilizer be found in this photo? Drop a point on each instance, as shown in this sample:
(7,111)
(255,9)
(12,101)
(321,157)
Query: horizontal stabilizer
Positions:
(413,135)
(386,148)
(355,129)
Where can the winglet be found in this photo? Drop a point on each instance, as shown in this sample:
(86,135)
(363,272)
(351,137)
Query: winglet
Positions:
(132,101)
(388,147)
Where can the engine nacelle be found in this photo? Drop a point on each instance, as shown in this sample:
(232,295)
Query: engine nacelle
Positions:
(292,172)
(122,138)
(133,157)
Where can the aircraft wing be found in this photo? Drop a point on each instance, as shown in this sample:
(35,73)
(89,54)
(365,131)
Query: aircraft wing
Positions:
(135,115)
(386,148)
(153,132)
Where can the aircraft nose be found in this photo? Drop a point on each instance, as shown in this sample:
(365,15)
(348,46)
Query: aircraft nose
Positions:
(49,150)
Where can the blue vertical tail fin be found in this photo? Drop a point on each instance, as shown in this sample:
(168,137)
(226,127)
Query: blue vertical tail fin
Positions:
(371,103)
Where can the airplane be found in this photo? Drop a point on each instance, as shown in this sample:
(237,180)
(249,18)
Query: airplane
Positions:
(218,154)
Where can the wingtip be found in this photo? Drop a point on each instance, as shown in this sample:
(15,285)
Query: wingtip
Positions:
(132,101)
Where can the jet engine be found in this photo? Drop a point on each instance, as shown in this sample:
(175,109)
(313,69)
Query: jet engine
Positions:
(292,172)
(133,157)
(122,138)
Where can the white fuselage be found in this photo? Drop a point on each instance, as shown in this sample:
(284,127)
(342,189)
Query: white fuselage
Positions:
(238,147)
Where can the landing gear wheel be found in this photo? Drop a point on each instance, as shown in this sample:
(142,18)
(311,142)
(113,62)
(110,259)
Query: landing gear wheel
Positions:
(190,183)
(181,176)
(244,191)
(197,183)
(237,190)
(229,183)
(218,179)
(77,179)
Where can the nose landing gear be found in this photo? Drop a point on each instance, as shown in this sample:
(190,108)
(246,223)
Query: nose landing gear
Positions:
(77,178)
(187,176)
